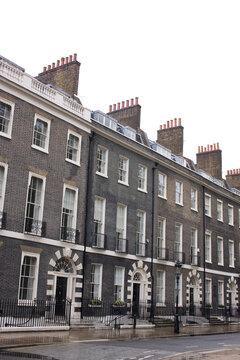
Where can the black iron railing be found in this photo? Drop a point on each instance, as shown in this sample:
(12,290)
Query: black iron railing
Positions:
(179,256)
(99,240)
(33,313)
(121,245)
(162,253)
(140,248)
(70,235)
(35,227)
(195,259)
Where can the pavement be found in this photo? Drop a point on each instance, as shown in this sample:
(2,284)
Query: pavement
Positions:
(23,339)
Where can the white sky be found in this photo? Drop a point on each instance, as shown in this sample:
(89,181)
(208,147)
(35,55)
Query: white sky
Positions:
(180,57)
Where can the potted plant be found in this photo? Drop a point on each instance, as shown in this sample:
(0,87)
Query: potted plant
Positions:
(96,302)
(119,303)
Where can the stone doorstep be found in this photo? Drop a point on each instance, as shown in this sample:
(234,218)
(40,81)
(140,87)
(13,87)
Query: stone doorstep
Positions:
(138,326)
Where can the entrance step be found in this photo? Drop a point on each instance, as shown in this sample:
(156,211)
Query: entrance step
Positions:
(163,321)
(216,320)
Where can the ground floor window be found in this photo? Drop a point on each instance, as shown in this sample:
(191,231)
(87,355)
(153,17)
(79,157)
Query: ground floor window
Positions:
(28,277)
(96,281)
(160,287)
(118,283)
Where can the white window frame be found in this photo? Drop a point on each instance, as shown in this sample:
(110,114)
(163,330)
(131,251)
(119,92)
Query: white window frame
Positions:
(231,253)
(221,293)
(100,281)
(125,220)
(74,217)
(161,290)
(43,178)
(103,212)
(179,288)
(208,281)
(220,241)
(126,160)
(162,239)
(77,161)
(178,243)
(194,199)
(144,179)
(35,287)
(179,194)
(220,203)
(208,209)
(194,246)
(119,285)
(9,132)
(230,215)
(41,118)
(164,185)
(105,170)
(208,256)
(142,235)
(4,182)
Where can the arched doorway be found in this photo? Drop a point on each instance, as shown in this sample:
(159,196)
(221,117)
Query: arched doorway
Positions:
(63,284)
(232,296)
(64,281)
(139,288)
(194,293)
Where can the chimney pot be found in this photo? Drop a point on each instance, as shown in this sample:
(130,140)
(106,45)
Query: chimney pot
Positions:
(230,172)
(167,124)
(66,60)
(201,148)
(70,58)
(160,127)
(110,108)
(234,172)
(214,146)
(227,172)
(198,149)
(164,126)
(131,102)
(171,123)
(123,104)
(49,67)
(44,68)
(179,122)
(175,122)
(239,171)
(62,61)
(207,147)
(118,106)
(211,147)
(127,103)
(58,63)
(217,146)
(136,100)
(74,57)
(114,107)
(53,65)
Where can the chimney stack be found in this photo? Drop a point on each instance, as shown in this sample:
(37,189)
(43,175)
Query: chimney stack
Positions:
(233,178)
(170,135)
(127,115)
(64,75)
(209,159)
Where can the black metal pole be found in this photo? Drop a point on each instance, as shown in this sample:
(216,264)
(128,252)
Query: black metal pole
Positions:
(204,255)
(176,322)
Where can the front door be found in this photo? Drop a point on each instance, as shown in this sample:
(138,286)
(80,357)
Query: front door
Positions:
(191,307)
(136,296)
(61,291)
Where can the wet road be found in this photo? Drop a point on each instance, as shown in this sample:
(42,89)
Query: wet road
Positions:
(222,346)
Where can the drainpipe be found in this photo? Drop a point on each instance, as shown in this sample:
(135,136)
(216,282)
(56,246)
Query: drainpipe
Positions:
(152,238)
(90,149)
(204,252)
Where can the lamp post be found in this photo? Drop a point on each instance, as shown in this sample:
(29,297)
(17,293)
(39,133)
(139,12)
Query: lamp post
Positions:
(178,266)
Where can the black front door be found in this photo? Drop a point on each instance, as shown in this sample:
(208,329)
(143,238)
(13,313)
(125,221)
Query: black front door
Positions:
(61,290)
(191,307)
(136,295)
